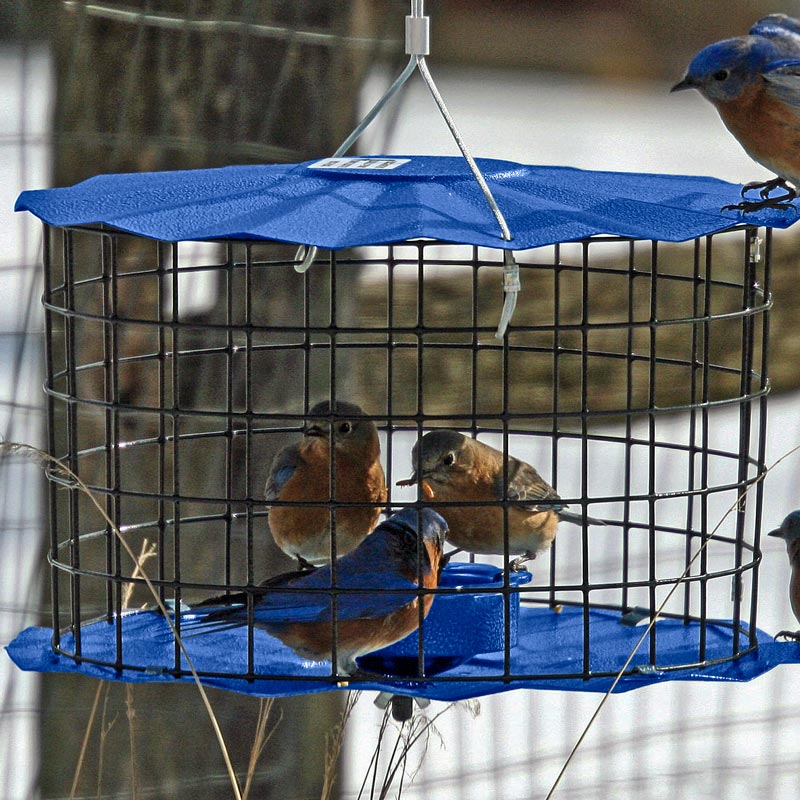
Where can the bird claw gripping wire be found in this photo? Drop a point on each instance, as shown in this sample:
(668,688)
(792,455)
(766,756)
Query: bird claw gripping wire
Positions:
(765,188)
(780,203)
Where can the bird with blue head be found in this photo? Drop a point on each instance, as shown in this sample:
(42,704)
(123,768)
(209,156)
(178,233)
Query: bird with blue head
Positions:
(376,586)
(754,83)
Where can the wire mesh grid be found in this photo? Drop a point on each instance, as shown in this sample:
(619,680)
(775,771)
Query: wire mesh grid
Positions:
(681,740)
(614,337)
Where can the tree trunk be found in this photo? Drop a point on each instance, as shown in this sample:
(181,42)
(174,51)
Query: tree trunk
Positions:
(140,93)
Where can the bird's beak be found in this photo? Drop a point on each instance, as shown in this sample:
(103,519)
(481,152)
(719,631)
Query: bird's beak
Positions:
(686,83)
(777,532)
(409,481)
(314,429)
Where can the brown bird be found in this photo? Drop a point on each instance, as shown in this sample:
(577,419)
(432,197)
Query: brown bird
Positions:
(301,473)
(789,531)
(377,595)
(457,468)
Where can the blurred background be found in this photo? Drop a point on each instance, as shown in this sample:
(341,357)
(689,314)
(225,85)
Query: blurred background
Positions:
(151,84)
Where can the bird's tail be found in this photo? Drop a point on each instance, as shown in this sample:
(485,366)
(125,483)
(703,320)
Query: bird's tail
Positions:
(211,615)
(580,519)
(199,627)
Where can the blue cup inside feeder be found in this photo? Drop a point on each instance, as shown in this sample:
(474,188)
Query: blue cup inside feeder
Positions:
(459,625)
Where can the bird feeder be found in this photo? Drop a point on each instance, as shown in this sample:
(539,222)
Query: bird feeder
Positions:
(609,328)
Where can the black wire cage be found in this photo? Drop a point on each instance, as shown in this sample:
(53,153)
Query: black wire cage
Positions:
(634,377)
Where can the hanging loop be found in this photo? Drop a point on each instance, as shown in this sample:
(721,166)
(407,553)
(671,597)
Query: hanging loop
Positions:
(417,47)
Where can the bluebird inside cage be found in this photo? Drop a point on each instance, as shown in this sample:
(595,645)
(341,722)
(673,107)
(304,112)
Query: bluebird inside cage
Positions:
(633,379)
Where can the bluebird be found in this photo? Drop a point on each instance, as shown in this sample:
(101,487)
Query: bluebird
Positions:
(301,473)
(455,468)
(784,28)
(789,531)
(367,619)
(754,83)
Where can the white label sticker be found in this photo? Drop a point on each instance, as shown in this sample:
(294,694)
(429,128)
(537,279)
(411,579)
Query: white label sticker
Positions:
(359,163)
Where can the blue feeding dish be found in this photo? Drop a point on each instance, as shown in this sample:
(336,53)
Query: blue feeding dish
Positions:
(459,625)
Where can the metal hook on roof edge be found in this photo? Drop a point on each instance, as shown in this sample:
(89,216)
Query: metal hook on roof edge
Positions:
(309,252)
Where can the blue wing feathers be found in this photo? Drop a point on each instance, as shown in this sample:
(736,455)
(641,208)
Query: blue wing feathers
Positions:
(783,81)
(376,572)
(370,570)
(283,467)
(281,477)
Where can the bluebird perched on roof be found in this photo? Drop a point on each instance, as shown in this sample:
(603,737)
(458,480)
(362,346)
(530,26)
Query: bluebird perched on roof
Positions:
(386,570)
(789,531)
(754,83)
(301,473)
(456,468)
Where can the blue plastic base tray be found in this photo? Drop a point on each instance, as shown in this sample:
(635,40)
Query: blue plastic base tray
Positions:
(550,645)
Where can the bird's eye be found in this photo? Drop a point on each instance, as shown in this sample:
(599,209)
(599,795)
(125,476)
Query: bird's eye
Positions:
(345,427)
(449,459)
(720,75)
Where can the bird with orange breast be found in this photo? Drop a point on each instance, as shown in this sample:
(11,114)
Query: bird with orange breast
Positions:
(453,468)
(754,83)
(376,585)
(300,482)
(789,531)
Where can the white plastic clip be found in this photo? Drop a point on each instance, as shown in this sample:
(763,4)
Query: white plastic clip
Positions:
(511,287)
(755,250)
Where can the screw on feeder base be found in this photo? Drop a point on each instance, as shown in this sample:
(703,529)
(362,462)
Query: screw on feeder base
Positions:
(402,705)
(511,287)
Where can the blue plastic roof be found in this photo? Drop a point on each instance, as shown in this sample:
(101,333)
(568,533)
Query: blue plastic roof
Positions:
(548,643)
(362,202)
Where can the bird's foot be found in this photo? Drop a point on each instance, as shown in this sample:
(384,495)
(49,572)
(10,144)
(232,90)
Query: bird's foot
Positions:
(787,636)
(781,202)
(518,564)
(765,187)
(354,671)
(445,559)
(748,206)
(366,674)
(305,566)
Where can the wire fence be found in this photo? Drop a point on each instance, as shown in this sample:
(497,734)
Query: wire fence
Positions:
(676,740)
